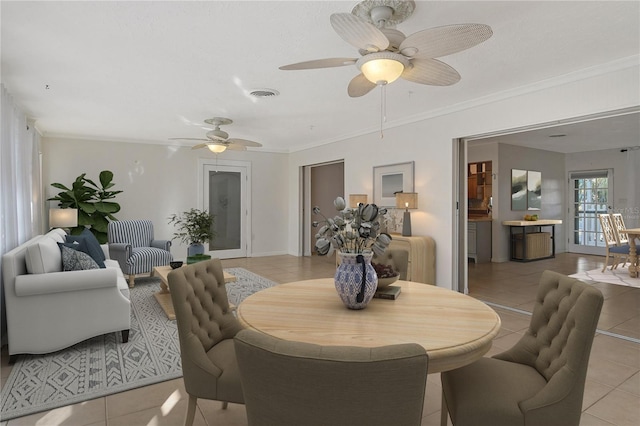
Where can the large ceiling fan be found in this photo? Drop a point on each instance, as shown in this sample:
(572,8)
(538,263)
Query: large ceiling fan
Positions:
(387,54)
(218,140)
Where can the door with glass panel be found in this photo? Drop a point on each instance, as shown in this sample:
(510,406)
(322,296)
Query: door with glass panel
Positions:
(591,193)
(225,195)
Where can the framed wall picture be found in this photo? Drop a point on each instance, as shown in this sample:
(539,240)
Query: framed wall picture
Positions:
(518,189)
(534,190)
(389,179)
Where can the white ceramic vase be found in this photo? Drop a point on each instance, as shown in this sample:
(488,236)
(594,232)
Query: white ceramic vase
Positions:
(355,279)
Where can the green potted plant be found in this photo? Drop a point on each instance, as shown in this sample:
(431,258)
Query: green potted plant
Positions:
(94,211)
(194,228)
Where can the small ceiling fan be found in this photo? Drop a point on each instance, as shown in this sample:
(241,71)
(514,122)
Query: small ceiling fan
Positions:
(218,140)
(387,54)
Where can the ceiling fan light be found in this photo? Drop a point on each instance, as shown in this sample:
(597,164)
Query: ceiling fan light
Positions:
(216,148)
(382,67)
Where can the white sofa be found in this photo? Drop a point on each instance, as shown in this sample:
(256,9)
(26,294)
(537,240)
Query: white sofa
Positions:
(49,309)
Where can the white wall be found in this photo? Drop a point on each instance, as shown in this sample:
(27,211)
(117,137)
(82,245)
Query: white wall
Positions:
(429,144)
(159,180)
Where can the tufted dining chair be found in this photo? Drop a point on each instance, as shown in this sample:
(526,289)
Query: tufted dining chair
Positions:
(132,244)
(289,383)
(540,380)
(206,327)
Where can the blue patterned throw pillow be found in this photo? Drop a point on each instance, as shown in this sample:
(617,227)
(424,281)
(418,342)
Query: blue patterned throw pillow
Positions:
(74,260)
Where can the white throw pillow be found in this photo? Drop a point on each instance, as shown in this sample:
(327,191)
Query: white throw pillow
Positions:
(43,257)
(57,235)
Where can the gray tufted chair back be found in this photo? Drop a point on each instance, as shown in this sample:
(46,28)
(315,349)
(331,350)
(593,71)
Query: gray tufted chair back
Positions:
(289,383)
(558,341)
(206,327)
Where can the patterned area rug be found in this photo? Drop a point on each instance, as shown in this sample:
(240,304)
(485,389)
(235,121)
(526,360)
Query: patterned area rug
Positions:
(102,365)
(619,276)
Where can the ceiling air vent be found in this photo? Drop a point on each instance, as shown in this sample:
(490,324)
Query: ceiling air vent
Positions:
(264,93)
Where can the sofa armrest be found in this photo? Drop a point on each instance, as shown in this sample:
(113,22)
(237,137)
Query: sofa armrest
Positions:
(120,252)
(161,244)
(105,250)
(59,282)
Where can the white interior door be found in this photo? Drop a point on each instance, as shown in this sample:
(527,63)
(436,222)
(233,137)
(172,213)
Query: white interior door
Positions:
(590,194)
(226,194)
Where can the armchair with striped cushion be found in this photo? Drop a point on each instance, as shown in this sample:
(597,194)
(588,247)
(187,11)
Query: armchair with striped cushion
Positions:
(132,244)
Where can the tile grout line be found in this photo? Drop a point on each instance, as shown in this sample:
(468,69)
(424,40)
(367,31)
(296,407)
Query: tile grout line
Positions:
(606,333)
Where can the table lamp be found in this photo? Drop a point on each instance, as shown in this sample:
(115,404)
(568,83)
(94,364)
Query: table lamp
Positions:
(63,218)
(356,199)
(406,200)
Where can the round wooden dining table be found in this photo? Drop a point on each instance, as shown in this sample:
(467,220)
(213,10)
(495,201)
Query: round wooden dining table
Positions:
(455,329)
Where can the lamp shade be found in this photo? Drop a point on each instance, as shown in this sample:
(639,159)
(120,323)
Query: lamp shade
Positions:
(407,200)
(355,199)
(382,67)
(63,218)
(216,148)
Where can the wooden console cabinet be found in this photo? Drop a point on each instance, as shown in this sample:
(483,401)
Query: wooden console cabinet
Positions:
(422,257)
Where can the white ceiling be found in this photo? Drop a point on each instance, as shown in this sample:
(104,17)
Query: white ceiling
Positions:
(147,71)
(620,131)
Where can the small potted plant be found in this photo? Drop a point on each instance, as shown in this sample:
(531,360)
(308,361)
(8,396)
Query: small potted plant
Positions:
(194,228)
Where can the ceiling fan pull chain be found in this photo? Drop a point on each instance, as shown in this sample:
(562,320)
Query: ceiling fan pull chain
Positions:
(383,108)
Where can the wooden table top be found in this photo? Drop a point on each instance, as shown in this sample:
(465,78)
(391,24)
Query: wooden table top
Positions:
(634,231)
(454,329)
(540,222)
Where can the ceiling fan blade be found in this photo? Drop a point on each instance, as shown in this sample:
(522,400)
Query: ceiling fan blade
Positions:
(235,147)
(359,86)
(200,145)
(431,72)
(443,41)
(320,63)
(244,142)
(187,139)
(359,33)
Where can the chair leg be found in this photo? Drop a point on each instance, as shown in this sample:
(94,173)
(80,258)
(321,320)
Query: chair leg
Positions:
(606,262)
(125,336)
(225,404)
(132,280)
(444,411)
(191,411)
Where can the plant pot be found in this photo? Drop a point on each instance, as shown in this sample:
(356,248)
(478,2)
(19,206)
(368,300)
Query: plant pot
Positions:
(197,258)
(194,249)
(353,269)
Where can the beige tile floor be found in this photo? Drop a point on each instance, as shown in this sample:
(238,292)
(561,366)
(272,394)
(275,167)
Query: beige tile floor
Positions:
(612,392)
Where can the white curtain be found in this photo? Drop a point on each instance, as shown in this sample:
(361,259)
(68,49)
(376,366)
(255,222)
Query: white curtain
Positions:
(21,204)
